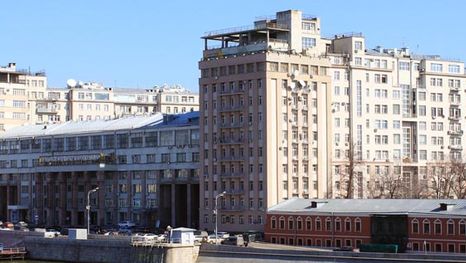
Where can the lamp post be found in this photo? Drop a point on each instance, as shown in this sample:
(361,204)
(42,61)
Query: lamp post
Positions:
(88,207)
(216,215)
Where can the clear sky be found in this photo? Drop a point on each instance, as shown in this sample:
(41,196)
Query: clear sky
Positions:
(141,43)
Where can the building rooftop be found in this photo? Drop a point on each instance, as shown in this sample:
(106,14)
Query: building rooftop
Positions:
(157,120)
(371,206)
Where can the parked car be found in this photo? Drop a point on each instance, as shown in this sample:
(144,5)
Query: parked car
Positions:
(211,239)
(223,234)
(200,236)
(52,231)
(8,225)
(233,241)
(344,248)
(21,226)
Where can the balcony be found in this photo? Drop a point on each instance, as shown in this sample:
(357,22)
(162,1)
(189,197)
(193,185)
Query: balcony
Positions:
(231,140)
(231,125)
(455,103)
(455,147)
(232,108)
(237,208)
(229,91)
(454,118)
(273,44)
(455,133)
(232,159)
(453,88)
(47,110)
(235,192)
(231,175)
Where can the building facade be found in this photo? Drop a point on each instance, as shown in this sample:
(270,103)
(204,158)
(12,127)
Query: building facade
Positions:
(25,98)
(146,168)
(418,225)
(286,112)
(15,87)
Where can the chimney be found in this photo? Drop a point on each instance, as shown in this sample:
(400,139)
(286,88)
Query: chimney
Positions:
(317,204)
(446,206)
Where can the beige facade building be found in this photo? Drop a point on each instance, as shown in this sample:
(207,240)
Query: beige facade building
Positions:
(15,87)
(288,113)
(26,99)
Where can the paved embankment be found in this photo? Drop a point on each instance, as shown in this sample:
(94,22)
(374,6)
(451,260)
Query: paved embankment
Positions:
(100,249)
(268,253)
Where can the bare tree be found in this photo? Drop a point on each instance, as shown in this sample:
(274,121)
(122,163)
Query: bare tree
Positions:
(441,179)
(387,184)
(458,172)
(349,175)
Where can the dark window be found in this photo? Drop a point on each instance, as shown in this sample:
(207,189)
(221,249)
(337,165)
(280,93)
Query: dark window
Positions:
(438,247)
(415,227)
(338,243)
(450,228)
(438,228)
(462,248)
(451,248)
(426,228)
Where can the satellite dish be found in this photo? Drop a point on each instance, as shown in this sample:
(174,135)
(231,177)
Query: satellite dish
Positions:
(71,83)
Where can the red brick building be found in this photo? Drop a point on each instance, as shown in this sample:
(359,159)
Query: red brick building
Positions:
(414,224)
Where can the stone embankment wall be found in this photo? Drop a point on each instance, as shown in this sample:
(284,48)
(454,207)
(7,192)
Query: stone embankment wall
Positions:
(100,249)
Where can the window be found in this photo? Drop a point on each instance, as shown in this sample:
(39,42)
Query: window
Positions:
(453,69)
(273,223)
(415,226)
(404,65)
(358,45)
(426,226)
(438,227)
(462,227)
(450,227)
(318,224)
(357,225)
(348,225)
(436,67)
(308,42)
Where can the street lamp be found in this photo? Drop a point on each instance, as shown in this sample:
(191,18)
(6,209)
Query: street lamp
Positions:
(88,207)
(216,215)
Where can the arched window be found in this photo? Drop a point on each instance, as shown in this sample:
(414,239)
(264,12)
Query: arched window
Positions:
(415,226)
(450,227)
(462,227)
(357,224)
(426,226)
(290,223)
(337,224)
(318,226)
(273,222)
(282,222)
(299,223)
(347,224)
(308,223)
(328,224)
(438,227)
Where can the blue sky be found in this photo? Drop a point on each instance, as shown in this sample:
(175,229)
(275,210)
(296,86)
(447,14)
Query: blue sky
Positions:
(142,43)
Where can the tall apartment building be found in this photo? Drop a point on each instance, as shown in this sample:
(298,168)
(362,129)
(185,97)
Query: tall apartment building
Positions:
(265,99)
(15,86)
(286,112)
(145,166)
(26,99)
